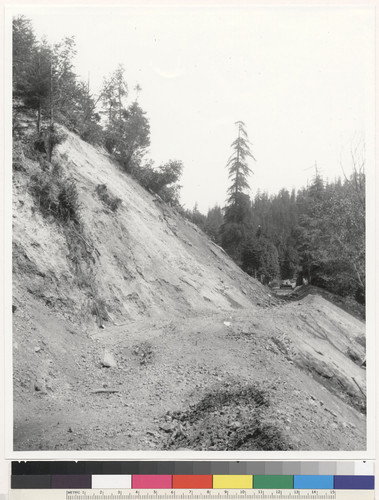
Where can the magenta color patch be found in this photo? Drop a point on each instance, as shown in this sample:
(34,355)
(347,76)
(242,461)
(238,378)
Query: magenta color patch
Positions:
(140,481)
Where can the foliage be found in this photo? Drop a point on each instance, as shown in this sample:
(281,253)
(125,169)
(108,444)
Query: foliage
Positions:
(234,230)
(91,132)
(35,89)
(213,223)
(127,131)
(18,156)
(56,195)
(236,223)
(260,259)
(163,181)
(237,165)
(23,46)
(318,234)
(237,226)
(109,200)
(195,216)
(340,249)
(210,223)
(289,262)
(114,91)
(99,309)
(44,81)
(64,87)
(47,139)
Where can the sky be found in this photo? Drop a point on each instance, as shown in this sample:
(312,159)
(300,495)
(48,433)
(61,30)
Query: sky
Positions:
(300,78)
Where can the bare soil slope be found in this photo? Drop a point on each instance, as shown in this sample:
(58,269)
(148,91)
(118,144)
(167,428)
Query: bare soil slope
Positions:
(202,357)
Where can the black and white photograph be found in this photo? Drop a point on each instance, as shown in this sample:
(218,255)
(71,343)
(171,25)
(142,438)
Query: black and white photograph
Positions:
(190,227)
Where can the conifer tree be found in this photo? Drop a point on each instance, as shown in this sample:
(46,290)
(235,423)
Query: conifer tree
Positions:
(213,223)
(238,167)
(23,50)
(36,89)
(237,218)
(127,131)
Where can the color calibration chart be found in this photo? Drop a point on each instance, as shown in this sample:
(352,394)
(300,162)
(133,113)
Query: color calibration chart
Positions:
(192,480)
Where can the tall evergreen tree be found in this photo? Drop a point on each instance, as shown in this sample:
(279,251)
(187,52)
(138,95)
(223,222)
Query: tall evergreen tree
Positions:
(36,89)
(127,133)
(114,92)
(237,213)
(238,167)
(260,259)
(213,223)
(23,49)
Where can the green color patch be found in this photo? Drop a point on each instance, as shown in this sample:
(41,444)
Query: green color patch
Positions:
(273,482)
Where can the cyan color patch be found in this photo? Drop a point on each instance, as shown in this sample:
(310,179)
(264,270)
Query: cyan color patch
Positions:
(313,482)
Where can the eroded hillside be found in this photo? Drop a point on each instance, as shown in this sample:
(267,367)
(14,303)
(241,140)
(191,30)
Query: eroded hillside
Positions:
(158,340)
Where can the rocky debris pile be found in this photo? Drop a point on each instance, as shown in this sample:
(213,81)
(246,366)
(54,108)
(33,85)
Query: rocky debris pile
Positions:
(230,419)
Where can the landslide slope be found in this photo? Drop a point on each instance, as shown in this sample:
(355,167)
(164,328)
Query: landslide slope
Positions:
(202,357)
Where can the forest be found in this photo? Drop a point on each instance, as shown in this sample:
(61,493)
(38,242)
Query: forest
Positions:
(316,233)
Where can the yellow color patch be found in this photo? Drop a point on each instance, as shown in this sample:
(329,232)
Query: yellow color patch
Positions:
(230,481)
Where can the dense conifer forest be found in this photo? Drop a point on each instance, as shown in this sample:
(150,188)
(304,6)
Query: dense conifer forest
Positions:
(316,233)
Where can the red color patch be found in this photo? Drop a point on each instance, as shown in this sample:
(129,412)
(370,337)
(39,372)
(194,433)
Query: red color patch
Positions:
(190,482)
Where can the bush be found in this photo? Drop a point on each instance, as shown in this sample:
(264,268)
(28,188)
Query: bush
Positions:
(47,139)
(162,181)
(68,202)
(337,277)
(111,201)
(100,310)
(18,157)
(56,195)
(92,133)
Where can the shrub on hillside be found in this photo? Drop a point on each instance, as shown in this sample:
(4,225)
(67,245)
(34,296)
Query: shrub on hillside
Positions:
(47,139)
(111,201)
(93,133)
(162,181)
(56,195)
(99,309)
(18,157)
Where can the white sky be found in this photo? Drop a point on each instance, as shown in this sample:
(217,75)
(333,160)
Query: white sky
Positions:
(301,78)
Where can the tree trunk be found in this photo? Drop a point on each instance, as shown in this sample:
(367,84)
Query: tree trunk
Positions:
(238,163)
(39,116)
(48,140)
(51,96)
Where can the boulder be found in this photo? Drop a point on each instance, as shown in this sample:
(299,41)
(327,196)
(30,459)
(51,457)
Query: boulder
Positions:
(108,360)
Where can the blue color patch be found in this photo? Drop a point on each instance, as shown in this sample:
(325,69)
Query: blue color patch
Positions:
(354,483)
(313,482)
